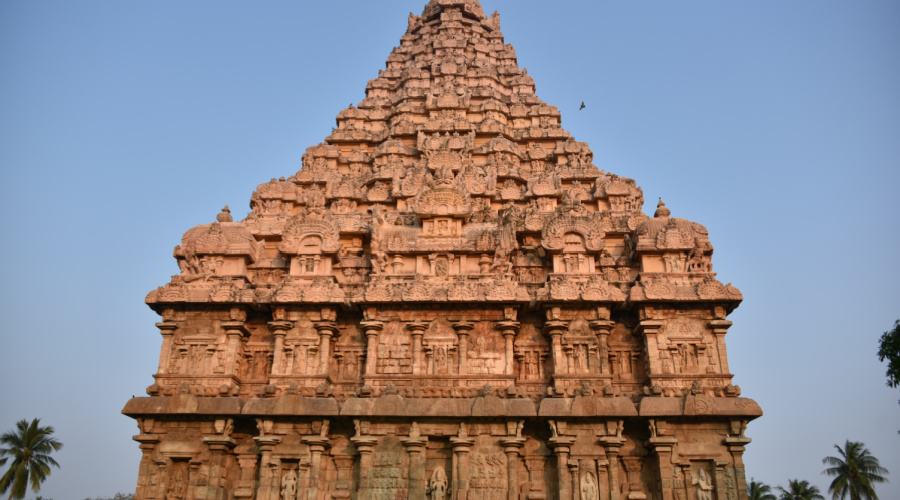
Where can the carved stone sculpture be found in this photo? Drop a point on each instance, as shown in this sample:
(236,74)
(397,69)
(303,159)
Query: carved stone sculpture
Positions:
(447,265)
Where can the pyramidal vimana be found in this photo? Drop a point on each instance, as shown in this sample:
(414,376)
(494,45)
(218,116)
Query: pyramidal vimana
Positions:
(448,301)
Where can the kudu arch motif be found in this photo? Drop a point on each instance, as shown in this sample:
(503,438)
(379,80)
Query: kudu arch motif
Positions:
(448,301)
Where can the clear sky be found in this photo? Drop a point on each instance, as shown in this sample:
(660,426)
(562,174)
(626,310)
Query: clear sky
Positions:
(774,123)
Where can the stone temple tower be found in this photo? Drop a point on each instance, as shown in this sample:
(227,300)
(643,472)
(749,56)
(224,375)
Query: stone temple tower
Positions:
(448,301)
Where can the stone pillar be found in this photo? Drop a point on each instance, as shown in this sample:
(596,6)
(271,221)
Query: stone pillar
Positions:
(509,329)
(737,446)
(612,444)
(371,330)
(219,447)
(602,328)
(147,446)
(268,483)
(279,329)
(415,447)
(417,330)
(463,328)
(561,446)
(556,329)
(649,328)
(167,329)
(326,330)
(535,466)
(512,447)
(460,480)
(317,445)
(365,446)
(573,473)
(235,331)
(662,448)
(719,329)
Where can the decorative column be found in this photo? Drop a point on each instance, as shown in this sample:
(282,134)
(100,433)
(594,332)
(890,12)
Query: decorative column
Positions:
(462,445)
(719,329)
(371,330)
(147,446)
(268,483)
(573,473)
(326,330)
(235,331)
(662,447)
(167,329)
(463,328)
(342,484)
(220,446)
(736,446)
(365,446)
(649,328)
(535,466)
(415,447)
(279,329)
(561,446)
(509,329)
(317,446)
(612,443)
(512,447)
(417,330)
(556,329)
(243,488)
(602,329)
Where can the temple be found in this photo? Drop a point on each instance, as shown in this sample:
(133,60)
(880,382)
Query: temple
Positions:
(448,301)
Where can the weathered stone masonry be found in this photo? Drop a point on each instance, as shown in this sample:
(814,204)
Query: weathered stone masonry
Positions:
(448,301)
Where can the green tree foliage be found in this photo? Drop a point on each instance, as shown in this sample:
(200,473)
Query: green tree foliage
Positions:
(759,491)
(855,472)
(799,490)
(29,446)
(889,349)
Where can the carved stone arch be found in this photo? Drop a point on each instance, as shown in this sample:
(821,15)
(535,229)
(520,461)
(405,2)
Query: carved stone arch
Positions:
(555,235)
(302,236)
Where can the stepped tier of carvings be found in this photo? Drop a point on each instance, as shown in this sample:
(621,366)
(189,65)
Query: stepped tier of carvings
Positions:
(447,301)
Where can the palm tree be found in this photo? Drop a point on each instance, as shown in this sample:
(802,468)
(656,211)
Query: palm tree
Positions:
(799,490)
(29,446)
(855,472)
(760,491)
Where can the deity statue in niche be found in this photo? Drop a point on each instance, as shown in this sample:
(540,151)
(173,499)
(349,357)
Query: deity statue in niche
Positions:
(441,267)
(289,486)
(437,486)
(703,482)
(588,487)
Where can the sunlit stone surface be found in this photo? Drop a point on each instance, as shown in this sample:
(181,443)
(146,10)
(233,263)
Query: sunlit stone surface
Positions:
(449,301)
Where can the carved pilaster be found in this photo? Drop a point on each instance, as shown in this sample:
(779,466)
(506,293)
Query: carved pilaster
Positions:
(736,446)
(417,330)
(602,328)
(317,446)
(460,480)
(268,483)
(662,447)
(719,329)
(235,331)
(612,444)
(512,447)
(371,329)
(167,330)
(327,330)
(649,329)
(561,446)
(365,446)
(509,329)
(463,328)
(279,329)
(415,447)
(555,329)
(633,473)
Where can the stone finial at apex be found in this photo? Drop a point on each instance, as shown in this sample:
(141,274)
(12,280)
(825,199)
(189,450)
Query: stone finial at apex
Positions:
(661,210)
(225,215)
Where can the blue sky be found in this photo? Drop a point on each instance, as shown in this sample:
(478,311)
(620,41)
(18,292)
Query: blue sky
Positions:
(776,124)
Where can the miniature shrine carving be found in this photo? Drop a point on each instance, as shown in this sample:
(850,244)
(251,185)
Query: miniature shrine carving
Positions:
(448,301)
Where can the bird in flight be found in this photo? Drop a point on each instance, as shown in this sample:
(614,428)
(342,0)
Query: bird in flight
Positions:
(582,106)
